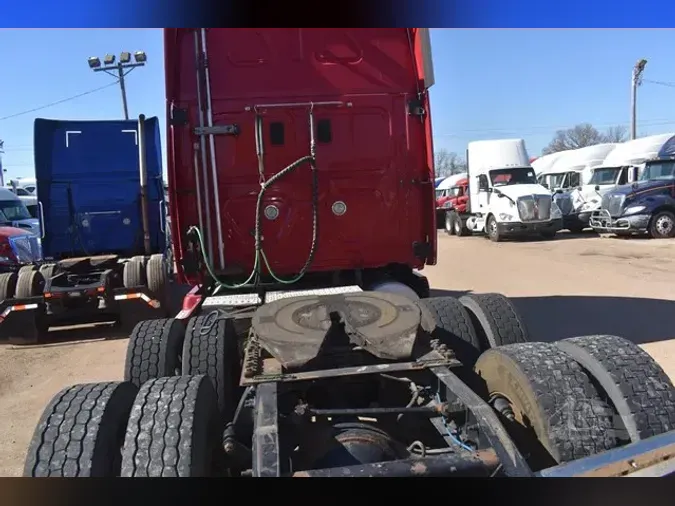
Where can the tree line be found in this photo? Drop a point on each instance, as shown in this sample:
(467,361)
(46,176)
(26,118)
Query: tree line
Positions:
(579,136)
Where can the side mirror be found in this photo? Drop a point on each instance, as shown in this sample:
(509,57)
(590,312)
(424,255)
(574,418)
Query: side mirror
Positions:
(545,185)
(579,188)
(597,187)
(558,191)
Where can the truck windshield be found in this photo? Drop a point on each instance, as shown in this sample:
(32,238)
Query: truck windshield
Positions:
(659,170)
(605,175)
(13,211)
(517,175)
(555,180)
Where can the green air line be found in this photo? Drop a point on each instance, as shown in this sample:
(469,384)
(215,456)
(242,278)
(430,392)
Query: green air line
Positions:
(259,253)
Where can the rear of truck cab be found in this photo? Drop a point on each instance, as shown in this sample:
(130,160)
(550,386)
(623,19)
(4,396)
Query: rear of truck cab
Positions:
(356,98)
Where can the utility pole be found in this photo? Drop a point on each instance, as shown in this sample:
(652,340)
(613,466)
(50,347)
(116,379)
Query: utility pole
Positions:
(119,70)
(636,80)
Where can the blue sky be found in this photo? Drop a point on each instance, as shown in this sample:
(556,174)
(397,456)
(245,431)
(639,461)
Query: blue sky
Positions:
(489,83)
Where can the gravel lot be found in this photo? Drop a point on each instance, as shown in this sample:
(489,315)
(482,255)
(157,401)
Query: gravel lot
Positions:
(571,286)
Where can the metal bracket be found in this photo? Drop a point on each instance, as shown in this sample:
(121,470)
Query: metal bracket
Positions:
(218,130)
(179,117)
(415,108)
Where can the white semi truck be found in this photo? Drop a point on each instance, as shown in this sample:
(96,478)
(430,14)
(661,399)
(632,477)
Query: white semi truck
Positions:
(568,172)
(622,165)
(505,199)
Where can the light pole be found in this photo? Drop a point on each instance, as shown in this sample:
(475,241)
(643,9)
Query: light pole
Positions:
(119,70)
(636,80)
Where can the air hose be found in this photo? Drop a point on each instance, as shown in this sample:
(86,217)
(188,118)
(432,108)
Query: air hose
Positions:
(260,258)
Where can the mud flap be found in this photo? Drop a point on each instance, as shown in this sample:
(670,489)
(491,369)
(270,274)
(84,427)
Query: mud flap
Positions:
(23,322)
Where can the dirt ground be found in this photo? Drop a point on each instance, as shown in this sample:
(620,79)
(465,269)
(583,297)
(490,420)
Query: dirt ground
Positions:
(571,286)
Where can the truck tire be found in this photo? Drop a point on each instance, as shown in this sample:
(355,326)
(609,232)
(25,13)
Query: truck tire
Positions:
(27,268)
(133,274)
(493,230)
(158,280)
(555,414)
(211,349)
(450,218)
(154,351)
(81,432)
(640,390)
(173,430)
(662,225)
(445,319)
(7,285)
(460,228)
(29,284)
(495,319)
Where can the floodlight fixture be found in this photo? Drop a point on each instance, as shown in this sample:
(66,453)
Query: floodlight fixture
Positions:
(140,57)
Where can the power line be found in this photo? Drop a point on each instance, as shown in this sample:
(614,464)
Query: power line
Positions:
(58,102)
(660,83)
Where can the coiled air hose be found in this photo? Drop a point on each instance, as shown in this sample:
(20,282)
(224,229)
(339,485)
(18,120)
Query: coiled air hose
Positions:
(260,258)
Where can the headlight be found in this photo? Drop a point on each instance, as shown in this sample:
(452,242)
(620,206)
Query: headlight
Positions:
(505,216)
(634,209)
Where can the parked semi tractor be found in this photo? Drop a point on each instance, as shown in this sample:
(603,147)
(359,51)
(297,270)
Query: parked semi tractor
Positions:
(100,199)
(456,205)
(295,354)
(621,166)
(444,196)
(646,206)
(505,199)
(569,172)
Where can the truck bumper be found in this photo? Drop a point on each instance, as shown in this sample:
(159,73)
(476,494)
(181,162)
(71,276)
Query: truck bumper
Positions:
(513,229)
(572,221)
(584,217)
(601,221)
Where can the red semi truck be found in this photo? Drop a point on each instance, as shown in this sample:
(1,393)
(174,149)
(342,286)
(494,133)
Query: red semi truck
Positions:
(302,204)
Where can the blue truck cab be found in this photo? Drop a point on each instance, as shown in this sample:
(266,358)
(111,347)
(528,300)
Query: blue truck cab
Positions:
(646,206)
(101,208)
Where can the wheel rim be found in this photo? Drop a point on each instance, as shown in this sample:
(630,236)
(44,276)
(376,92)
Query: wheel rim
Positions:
(664,225)
(458,226)
(448,223)
(492,227)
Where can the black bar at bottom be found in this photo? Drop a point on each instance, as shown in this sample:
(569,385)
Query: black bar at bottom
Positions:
(480,463)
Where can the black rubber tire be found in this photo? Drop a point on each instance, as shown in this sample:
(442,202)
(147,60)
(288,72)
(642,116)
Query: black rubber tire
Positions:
(154,351)
(211,349)
(654,231)
(29,284)
(559,414)
(158,280)
(642,393)
(48,270)
(27,268)
(173,429)
(460,228)
(445,319)
(577,230)
(548,236)
(8,285)
(133,274)
(450,222)
(81,431)
(495,319)
(492,230)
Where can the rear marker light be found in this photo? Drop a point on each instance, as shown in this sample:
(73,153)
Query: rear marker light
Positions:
(271,212)
(339,208)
